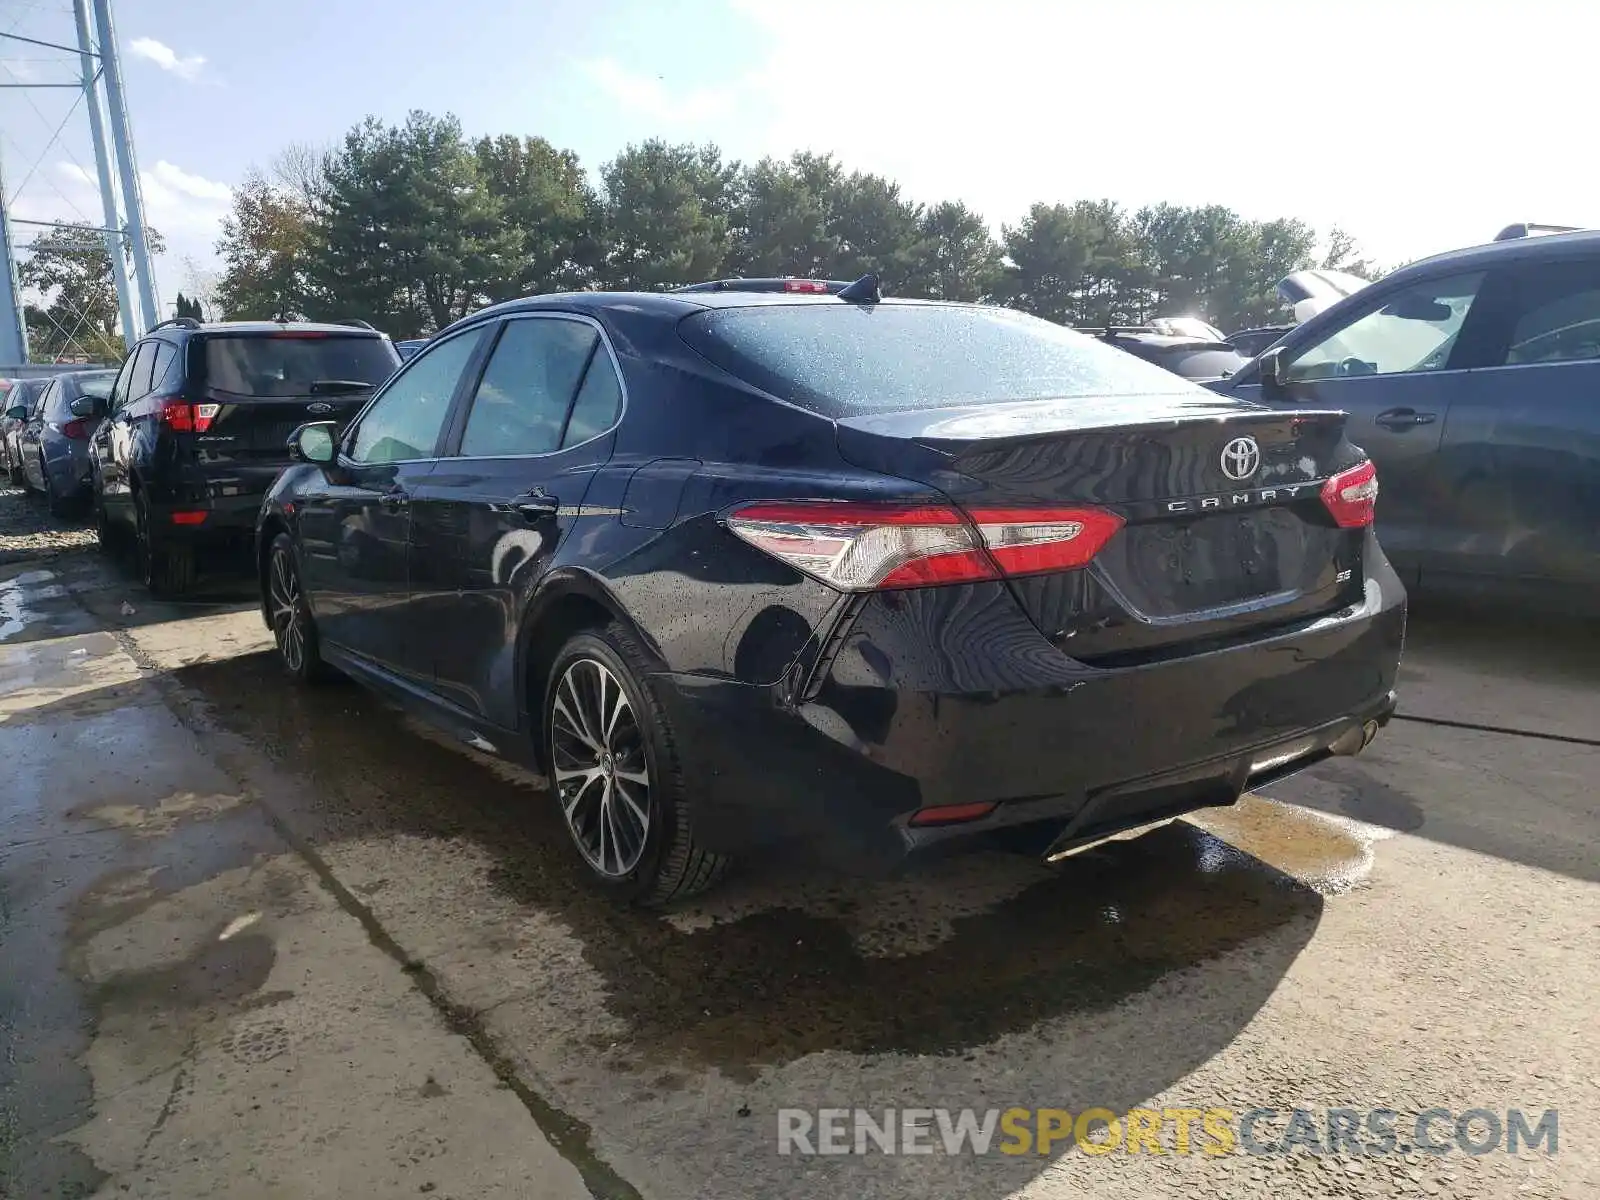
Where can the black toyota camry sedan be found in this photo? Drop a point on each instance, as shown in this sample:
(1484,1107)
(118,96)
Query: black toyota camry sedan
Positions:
(811,567)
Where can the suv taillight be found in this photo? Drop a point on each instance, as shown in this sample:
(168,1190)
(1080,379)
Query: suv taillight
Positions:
(180,416)
(859,547)
(1352,496)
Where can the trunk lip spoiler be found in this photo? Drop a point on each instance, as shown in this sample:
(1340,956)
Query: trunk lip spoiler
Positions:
(875,425)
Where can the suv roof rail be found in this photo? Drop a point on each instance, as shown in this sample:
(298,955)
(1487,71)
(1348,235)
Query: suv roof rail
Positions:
(180,322)
(358,323)
(1532,229)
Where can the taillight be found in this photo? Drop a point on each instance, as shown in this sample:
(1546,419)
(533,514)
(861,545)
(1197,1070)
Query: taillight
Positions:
(79,429)
(1352,496)
(866,546)
(813,286)
(182,417)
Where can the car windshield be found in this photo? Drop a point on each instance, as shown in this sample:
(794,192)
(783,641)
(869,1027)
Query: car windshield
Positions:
(287,364)
(847,359)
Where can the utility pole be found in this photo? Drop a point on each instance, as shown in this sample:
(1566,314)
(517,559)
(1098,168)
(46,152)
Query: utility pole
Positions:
(102,162)
(122,141)
(13,329)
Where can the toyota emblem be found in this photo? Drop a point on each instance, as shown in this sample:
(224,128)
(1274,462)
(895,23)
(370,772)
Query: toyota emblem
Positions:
(319,407)
(1240,458)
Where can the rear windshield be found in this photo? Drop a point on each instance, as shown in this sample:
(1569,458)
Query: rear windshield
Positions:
(1202,362)
(287,364)
(98,386)
(849,360)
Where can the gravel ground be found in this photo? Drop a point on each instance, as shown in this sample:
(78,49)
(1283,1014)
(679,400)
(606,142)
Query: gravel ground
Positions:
(28,531)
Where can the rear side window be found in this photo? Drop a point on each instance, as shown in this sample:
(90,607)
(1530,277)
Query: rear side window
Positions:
(1558,314)
(527,388)
(848,360)
(599,401)
(287,364)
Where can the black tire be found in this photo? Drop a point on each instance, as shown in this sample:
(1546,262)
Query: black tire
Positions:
(164,570)
(108,538)
(58,507)
(293,629)
(664,864)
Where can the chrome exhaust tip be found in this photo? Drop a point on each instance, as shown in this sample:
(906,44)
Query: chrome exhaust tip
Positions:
(1354,741)
(1351,741)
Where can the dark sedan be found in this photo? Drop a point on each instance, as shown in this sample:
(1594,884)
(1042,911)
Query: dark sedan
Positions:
(865,576)
(53,443)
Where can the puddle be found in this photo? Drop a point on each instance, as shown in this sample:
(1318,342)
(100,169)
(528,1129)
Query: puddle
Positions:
(1327,853)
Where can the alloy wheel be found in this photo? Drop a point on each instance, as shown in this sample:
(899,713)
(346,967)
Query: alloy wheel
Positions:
(288,624)
(602,777)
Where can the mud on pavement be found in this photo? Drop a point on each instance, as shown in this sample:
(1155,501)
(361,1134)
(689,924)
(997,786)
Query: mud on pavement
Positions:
(1205,962)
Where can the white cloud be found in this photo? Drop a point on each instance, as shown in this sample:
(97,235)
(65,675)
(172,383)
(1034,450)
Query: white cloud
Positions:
(195,186)
(165,57)
(650,95)
(186,208)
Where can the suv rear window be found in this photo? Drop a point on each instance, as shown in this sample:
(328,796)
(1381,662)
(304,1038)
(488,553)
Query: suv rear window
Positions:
(847,360)
(287,364)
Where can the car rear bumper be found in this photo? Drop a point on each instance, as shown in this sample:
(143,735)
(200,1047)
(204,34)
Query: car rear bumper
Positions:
(950,696)
(213,505)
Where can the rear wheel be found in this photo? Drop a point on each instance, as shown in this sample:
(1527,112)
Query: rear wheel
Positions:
(107,536)
(58,506)
(164,570)
(292,627)
(615,774)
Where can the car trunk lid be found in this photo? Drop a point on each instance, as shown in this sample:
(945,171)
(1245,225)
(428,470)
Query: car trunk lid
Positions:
(1225,532)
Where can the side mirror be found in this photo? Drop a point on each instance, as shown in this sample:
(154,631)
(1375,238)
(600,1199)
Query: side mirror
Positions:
(88,406)
(1274,373)
(315,443)
(19,413)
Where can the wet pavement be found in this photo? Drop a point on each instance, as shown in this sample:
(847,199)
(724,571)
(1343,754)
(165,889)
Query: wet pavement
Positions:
(208,877)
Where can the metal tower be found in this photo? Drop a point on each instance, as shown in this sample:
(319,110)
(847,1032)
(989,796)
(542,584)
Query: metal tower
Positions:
(117,177)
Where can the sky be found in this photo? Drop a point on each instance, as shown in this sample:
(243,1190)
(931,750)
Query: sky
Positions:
(1415,125)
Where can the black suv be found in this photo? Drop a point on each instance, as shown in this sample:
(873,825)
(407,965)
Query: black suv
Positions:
(196,429)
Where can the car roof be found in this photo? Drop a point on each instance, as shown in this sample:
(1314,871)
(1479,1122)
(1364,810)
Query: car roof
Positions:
(1495,254)
(673,305)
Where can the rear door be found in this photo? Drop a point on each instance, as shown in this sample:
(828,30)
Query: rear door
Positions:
(488,521)
(1521,452)
(355,530)
(1395,366)
(116,439)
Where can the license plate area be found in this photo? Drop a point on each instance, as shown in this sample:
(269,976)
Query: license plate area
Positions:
(1170,567)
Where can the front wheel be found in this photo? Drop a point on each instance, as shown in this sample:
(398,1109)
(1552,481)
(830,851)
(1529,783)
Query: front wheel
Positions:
(614,770)
(293,630)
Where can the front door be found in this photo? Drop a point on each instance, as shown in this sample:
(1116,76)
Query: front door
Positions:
(355,530)
(1395,367)
(490,519)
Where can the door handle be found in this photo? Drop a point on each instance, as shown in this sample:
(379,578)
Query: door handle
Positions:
(1403,418)
(536,506)
(394,499)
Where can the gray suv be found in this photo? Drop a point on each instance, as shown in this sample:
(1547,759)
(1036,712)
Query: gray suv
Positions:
(1473,381)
